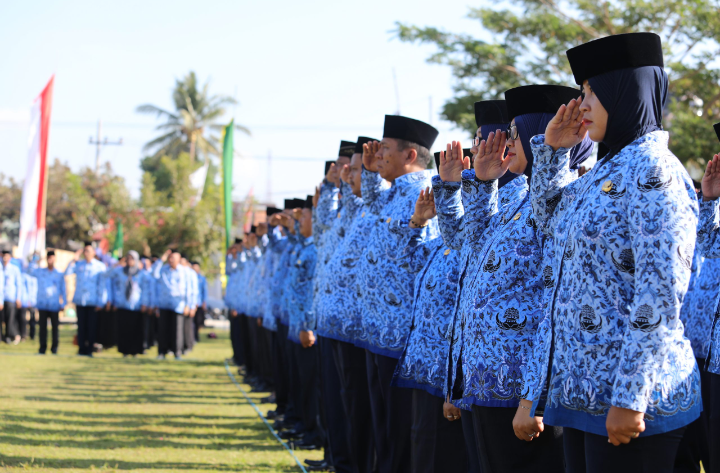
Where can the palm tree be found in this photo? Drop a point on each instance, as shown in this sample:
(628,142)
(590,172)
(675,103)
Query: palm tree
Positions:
(195,114)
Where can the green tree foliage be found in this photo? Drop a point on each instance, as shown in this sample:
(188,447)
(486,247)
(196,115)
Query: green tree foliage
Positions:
(530,38)
(187,129)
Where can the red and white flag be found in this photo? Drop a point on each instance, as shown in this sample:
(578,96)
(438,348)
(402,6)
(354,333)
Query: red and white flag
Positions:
(34,196)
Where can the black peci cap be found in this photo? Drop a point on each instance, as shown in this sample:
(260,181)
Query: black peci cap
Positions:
(361,140)
(717,130)
(50,253)
(87,243)
(308,202)
(288,204)
(490,112)
(537,99)
(327,166)
(409,129)
(6,252)
(175,250)
(238,241)
(298,203)
(611,53)
(253,229)
(272,211)
(347,148)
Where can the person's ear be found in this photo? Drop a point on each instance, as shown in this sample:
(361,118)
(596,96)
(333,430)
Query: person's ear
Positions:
(412,156)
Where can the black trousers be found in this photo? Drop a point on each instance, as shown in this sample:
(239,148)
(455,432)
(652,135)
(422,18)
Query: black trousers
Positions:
(308,371)
(695,447)
(151,322)
(470,442)
(391,415)
(335,419)
(437,444)
(32,323)
(198,321)
(351,363)
(87,328)
(46,315)
(9,313)
(499,450)
(170,336)
(188,333)
(266,354)
(23,316)
(713,408)
(106,332)
(130,333)
(244,334)
(280,370)
(591,453)
(236,343)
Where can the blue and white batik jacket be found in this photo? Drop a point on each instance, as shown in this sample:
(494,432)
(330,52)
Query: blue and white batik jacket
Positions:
(118,284)
(300,280)
(385,282)
(173,287)
(89,282)
(51,288)
(30,290)
(624,236)
(281,246)
(701,302)
(296,244)
(499,304)
(339,313)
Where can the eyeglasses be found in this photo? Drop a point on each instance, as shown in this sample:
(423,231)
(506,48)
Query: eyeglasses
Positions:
(512,132)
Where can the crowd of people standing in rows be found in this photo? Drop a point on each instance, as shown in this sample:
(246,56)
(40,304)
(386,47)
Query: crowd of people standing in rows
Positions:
(500,313)
(133,303)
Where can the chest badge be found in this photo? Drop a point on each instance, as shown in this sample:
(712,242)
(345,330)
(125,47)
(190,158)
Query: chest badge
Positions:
(338,216)
(388,220)
(447,252)
(363,214)
(299,262)
(517,216)
(607,186)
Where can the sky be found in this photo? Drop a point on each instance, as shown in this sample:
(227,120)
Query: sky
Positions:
(306,75)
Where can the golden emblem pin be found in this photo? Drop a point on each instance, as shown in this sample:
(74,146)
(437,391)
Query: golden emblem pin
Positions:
(388,220)
(517,217)
(338,215)
(299,262)
(447,252)
(607,186)
(363,214)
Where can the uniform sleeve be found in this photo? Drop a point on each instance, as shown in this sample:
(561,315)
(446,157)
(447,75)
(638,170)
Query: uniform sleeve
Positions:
(327,208)
(550,177)
(449,207)
(156,267)
(708,234)
(203,290)
(62,290)
(308,317)
(480,200)
(654,314)
(71,268)
(372,186)
(2,284)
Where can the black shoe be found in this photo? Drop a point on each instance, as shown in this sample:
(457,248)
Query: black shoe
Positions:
(271,415)
(307,446)
(324,466)
(315,462)
(268,400)
(279,425)
(290,434)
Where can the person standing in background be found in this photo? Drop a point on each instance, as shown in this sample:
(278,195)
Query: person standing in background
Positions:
(201,312)
(11,299)
(51,299)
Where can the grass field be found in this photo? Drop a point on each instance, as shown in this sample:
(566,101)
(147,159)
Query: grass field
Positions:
(68,413)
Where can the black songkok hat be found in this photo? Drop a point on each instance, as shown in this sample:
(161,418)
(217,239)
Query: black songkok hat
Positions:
(347,148)
(308,202)
(466,153)
(361,140)
(253,229)
(272,211)
(175,250)
(490,112)
(717,130)
(537,99)
(327,166)
(50,253)
(6,252)
(298,203)
(409,129)
(238,241)
(87,243)
(194,262)
(615,52)
(288,204)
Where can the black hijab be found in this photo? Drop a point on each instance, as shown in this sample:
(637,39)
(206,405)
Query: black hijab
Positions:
(634,99)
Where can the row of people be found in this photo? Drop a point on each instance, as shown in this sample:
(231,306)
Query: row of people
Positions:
(121,303)
(504,314)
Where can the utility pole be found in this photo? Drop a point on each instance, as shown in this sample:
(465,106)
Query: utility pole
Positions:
(269,178)
(99,143)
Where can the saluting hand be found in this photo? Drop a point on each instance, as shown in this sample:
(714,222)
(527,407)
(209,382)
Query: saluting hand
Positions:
(453,163)
(424,208)
(711,179)
(369,150)
(332,175)
(316,197)
(275,219)
(491,162)
(345,174)
(566,129)
(297,214)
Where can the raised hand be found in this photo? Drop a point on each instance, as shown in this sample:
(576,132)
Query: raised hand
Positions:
(491,162)
(262,229)
(275,219)
(424,209)
(453,163)
(345,174)
(369,150)
(711,179)
(297,214)
(316,197)
(332,175)
(566,129)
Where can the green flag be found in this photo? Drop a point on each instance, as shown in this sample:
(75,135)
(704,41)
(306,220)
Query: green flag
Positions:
(227,167)
(118,246)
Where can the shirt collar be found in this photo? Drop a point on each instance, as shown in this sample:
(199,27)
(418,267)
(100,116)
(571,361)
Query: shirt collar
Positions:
(413,177)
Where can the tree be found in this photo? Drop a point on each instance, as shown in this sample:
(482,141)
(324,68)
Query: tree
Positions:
(529,43)
(69,207)
(186,129)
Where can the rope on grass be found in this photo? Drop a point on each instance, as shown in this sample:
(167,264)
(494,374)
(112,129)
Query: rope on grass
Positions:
(254,406)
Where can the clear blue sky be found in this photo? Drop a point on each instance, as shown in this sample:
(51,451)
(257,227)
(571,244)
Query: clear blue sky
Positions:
(306,74)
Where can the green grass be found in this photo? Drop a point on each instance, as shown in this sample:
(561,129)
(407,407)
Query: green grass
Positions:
(68,413)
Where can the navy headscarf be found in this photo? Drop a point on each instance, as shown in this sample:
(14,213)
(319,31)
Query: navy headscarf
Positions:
(634,99)
(532,124)
(485,130)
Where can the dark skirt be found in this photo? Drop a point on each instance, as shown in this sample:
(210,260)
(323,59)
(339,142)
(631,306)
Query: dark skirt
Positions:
(130,331)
